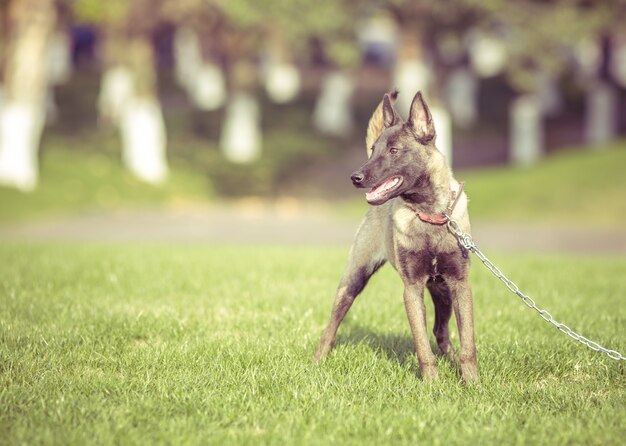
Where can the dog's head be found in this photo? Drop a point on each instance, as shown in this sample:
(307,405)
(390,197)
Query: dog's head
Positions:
(399,152)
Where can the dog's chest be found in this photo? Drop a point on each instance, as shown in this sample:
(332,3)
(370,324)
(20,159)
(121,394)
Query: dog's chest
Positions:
(423,250)
(426,259)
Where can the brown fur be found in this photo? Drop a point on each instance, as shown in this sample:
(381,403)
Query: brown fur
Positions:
(425,255)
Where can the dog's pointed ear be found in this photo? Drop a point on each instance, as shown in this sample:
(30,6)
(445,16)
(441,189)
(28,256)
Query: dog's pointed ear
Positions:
(384,116)
(420,119)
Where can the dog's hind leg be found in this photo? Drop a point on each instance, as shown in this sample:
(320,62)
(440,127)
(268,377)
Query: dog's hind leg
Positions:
(364,260)
(442,300)
(462,302)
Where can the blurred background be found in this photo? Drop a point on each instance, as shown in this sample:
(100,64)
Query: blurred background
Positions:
(110,107)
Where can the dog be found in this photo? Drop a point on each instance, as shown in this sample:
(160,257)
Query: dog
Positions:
(412,193)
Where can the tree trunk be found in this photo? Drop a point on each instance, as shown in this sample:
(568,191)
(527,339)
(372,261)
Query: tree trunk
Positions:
(187,56)
(281,76)
(143,139)
(487,54)
(443,128)
(209,89)
(59,58)
(282,81)
(116,88)
(600,113)
(411,72)
(549,96)
(241,135)
(202,79)
(22,115)
(462,97)
(128,100)
(333,111)
(526,130)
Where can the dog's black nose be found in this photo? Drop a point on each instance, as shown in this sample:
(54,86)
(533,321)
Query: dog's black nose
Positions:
(357,177)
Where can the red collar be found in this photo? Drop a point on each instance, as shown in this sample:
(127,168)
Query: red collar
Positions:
(442,219)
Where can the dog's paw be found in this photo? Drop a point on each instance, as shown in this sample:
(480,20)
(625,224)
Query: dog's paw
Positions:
(321,353)
(469,373)
(429,372)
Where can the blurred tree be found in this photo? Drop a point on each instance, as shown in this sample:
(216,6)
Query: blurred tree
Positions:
(564,31)
(198,52)
(128,91)
(432,57)
(602,57)
(333,27)
(30,25)
(537,56)
(530,42)
(59,57)
(282,30)
(257,42)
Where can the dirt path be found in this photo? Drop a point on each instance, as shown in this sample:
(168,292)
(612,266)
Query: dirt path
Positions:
(285,224)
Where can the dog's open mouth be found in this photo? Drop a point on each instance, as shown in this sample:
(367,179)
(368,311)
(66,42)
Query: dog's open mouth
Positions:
(380,193)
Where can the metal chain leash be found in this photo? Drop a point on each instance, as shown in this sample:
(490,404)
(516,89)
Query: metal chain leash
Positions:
(468,243)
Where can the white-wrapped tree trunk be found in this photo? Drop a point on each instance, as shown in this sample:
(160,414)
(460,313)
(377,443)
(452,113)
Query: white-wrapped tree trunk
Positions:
(411,71)
(600,113)
(116,88)
(21,125)
(487,54)
(208,89)
(241,137)
(59,58)
(549,95)
(410,75)
(443,128)
(128,100)
(282,81)
(526,134)
(617,62)
(59,61)
(462,97)
(187,56)
(281,77)
(202,79)
(25,89)
(143,139)
(333,112)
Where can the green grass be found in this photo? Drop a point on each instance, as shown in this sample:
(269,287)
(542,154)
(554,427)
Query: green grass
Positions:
(132,344)
(76,180)
(576,188)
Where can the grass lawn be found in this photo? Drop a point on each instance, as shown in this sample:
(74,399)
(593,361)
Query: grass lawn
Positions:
(133,344)
(576,188)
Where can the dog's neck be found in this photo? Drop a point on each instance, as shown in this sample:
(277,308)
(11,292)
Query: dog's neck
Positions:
(431,193)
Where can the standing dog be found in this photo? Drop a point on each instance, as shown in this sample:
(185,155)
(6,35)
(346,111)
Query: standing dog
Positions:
(413,191)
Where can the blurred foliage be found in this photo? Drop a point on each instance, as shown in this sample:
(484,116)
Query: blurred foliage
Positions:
(295,21)
(540,37)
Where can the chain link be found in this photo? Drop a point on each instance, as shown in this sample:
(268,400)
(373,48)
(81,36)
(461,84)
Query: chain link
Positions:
(468,243)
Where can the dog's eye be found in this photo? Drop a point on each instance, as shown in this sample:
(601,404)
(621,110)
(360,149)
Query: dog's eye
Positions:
(393,150)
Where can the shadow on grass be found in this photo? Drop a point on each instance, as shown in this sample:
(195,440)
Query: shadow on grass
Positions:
(398,348)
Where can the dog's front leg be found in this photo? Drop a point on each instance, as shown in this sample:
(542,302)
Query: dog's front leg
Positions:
(343,302)
(416,313)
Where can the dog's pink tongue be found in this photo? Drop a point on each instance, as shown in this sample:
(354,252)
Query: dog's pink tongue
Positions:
(376,192)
